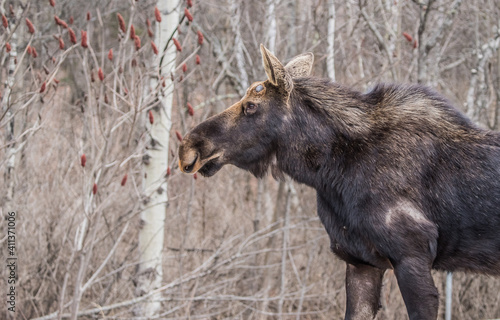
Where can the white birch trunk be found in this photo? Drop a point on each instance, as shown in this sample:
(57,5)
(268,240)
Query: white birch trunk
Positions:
(427,43)
(6,107)
(271,32)
(381,40)
(392,26)
(271,25)
(475,95)
(151,234)
(330,58)
(238,46)
(291,27)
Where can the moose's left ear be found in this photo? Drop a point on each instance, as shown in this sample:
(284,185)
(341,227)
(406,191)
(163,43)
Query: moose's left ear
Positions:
(301,65)
(276,72)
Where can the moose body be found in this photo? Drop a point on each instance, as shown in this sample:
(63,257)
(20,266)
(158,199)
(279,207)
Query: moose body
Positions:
(404,181)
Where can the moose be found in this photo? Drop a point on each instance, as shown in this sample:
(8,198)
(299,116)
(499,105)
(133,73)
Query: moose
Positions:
(403,180)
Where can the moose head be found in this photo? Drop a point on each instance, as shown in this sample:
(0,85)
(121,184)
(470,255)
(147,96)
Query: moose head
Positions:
(246,133)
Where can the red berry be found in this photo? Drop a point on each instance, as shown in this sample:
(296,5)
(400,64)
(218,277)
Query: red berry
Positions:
(121,22)
(5,22)
(153,46)
(132,32)
(190,109)
(84,39)
(137,42)
(408,37)
(83,160)
(60,22)
(151,117)
(31,27)
(72,36)
(177,44)
(178,134)
(188,15)
(157,14)
(200,37)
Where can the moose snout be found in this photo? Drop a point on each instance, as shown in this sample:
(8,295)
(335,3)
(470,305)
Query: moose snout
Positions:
(196,151)
(187,166)
(189,157)
(190,153)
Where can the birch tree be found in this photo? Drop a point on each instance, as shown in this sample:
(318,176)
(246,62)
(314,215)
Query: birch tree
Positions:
(271,25)
(330,61)
(7,110)
(427,40)
(291,28)
(8,99)
(238,45)
(477,93)
(387,41)
(151,235)
(7,105)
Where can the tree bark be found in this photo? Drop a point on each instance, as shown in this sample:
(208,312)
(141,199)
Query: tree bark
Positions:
(151,234)
(271,25)
(7,107)
(476,93)
(238,45)
(330,60)
(427,42)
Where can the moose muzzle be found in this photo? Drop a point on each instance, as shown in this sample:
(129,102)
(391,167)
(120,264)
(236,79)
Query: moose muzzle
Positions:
(189,159)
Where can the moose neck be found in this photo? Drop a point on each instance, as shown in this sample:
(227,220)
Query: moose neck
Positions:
(327,129)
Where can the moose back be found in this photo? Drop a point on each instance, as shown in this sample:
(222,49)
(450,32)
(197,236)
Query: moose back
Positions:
(404,181)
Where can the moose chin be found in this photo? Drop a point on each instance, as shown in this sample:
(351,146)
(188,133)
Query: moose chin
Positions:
(404,181)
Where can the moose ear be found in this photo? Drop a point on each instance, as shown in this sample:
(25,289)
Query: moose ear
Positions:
(276,72)
(301,65)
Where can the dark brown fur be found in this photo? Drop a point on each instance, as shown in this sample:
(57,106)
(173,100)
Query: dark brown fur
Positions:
(403,179)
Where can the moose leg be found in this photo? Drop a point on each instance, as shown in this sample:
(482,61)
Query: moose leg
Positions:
(363,285)
(417,287)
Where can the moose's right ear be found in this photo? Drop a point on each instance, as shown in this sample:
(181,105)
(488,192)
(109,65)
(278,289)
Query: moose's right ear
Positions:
(276,72)
(301,65)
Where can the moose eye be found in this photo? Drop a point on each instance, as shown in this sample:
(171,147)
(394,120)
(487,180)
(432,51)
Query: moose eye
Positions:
(259,88)
(250,108)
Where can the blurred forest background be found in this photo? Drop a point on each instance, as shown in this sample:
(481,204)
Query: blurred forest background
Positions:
(95,97)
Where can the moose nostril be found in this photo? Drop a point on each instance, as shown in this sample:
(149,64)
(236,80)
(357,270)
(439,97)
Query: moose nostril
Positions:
(190,167)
